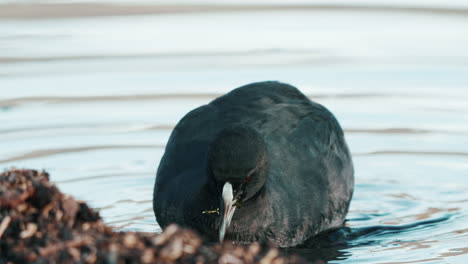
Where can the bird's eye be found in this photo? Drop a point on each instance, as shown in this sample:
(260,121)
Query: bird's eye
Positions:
(248,178)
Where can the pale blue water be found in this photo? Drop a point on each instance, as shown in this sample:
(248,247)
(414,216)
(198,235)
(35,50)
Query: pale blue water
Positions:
(93,99)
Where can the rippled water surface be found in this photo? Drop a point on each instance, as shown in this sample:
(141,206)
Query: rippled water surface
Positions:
(92,99)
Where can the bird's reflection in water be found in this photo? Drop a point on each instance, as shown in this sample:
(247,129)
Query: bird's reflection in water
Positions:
(327,246)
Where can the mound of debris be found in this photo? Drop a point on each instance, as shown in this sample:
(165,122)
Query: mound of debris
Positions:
(39,224)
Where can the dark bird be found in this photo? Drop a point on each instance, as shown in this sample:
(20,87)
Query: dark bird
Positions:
(261,163)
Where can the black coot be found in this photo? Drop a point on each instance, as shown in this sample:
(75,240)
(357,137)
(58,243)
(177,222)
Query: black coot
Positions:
(273,163)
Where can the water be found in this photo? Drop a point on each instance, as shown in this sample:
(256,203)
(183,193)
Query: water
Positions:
(93,100)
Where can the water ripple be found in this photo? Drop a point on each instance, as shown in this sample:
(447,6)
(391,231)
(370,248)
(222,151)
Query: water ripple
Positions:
(208,96)
(50,152)
(103,176)
(74,10)
(104,98)
(416,153)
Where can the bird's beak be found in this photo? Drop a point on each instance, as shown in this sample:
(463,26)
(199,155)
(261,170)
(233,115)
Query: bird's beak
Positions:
(228,211)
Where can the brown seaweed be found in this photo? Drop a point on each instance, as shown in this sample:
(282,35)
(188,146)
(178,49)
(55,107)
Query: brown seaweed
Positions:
(40,224)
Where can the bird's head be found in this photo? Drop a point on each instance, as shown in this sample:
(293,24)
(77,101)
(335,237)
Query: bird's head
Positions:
(237,160)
